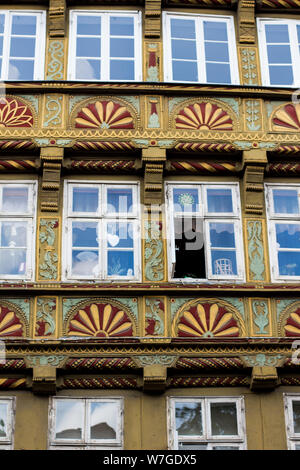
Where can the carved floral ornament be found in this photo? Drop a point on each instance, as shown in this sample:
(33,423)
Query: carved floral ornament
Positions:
(203,116)
(15,113)
(289,324)
(12,323)
(287,118)
(103,114)
(208,319)
(101,319)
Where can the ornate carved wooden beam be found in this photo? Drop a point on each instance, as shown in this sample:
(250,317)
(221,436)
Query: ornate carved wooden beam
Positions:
(246,22)
(152,18)
(51,158)
(254,162)
(154,159)
(57,20)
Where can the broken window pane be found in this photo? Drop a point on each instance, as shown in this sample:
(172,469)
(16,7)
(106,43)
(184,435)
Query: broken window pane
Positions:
(69,419)
(103,420)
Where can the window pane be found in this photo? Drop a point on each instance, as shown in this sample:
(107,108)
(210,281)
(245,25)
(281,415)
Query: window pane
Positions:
(69,419)
(21,70)
(279,54)
(215,30)
(85,199)
(285,201)
(88,47)
(2,20)
(103,420)
(87,25)
(14,234)
(281,75)
(186,200)
(85,262)
(22,47)
(188,417)
(216,52)
(277,33)
(298,32)
(1,45)
(224,262)
(15,199)
(183,29)
(119,200)
(121,26)
(218,73)
(222,235)
(288,235)
(191,446)
(3,419)
(289,263)
(189,248)
(223,419)
(121,47)
(219,200)
(120,263)
(296,416)
(23,25)
(13,261)
(88,69)
(225,447)
(122,70)
(119,235)
(183,49)
(84,234)
(185,71)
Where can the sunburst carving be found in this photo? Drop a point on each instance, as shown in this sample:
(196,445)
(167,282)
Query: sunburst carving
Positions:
(287,118)
(13,113)
(10,324)
(203,116)
(100,320)
(292,326)
(207,321)
(104,115)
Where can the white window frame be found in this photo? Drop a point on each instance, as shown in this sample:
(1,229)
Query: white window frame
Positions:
(234,218)
(294,45)
(207,438)
(7,443)
(293,438)
(40,43)
(102,218)
(105,55)
(31,227)
(86,443)
(274,219)
(201,64)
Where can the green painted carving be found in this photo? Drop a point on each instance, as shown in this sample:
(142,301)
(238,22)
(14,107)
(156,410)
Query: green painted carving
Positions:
(236,303)
(56,60)
(58,142)
(263,360)
(134,100)
(141,142)
(242,145)
(174,102)
(255,250)
(176,303)
(48,269)
(23,304)
(271,105)
(162,360)
(74,100)
(45,322)
(165,142)
(152,74)
(253,115)
(68,303)
(233,103)
(54,108)
(34,100)
(260,310)
(45,360)
(153,305)
(282,304)
(153,122)
(130,303)
(249,66)
(154,263)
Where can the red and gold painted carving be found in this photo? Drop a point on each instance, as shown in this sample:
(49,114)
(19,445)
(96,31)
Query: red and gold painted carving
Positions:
(292,326)
(104,115)
(10,324)
(287,118)
(100,320)
(13,113)
(203,116)
(208,321)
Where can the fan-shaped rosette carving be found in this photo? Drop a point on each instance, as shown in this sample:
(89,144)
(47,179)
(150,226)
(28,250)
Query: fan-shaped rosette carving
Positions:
(100,320)
(287,118)
(10,324)
(292,326)
(13,113)
(104,115)
(208,321)
(203,116)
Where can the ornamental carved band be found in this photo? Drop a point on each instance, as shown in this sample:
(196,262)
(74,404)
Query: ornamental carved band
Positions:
(153,252)
(104,115)
(15,113)
(287,118)
(48,249)
(208,319)
(257,271)
(203,116)
(289,321)
(13,322)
